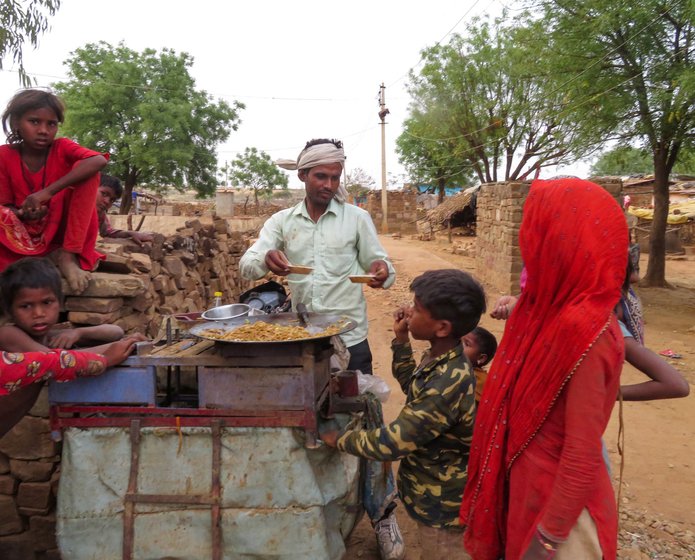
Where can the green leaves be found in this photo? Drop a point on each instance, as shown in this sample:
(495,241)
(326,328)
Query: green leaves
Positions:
(486,105)
(256,171)
(144,110)
(20,22)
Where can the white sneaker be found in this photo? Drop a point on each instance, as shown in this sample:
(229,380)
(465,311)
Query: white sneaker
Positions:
(389,539)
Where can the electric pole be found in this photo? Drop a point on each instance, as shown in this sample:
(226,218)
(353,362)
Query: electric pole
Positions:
(383,111)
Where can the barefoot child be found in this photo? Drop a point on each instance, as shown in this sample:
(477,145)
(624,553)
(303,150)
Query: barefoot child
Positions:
(431,435)
(110,190)
(480,346)
(47,189)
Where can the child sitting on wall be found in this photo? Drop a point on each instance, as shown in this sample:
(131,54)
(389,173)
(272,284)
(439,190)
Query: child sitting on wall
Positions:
(110,190)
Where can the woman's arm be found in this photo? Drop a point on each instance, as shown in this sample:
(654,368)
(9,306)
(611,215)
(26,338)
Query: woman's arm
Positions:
(665,382)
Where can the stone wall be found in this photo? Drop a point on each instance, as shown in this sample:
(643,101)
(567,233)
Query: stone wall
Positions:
(174,274)
(402,211)
(499,213)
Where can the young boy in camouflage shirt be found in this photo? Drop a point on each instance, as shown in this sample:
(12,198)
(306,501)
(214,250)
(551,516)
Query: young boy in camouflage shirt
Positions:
(431,436)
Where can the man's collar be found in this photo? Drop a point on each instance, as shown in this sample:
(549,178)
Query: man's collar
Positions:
(333,208)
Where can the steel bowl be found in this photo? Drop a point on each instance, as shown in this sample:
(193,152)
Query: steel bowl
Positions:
(225,312)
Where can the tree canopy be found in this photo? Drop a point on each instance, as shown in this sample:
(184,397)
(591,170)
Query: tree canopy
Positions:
(485,105)
(255,170)
(628,160)
(144,109)
(630,69)
(22,21)
(358,182)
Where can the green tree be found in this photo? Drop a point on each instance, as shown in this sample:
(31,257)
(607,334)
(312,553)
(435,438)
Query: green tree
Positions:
(223,174)
(484,104)
(623,160)
(256,171)
(628,160)
(358,182)
(143,108)
(630,68)
(434,163)
(22,21)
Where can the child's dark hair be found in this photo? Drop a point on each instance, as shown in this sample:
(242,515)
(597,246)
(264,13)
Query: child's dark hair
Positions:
(28,100)
(114,183)
(451,295)
(29,272)
(487,343)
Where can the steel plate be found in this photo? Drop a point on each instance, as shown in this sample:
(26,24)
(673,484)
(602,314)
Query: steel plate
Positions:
(318,322)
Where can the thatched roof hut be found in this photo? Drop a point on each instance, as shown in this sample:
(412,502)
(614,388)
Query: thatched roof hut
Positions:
(457,210)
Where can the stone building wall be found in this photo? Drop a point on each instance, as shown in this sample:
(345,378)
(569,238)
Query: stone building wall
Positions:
(402,211)
(175,274)
(499,213)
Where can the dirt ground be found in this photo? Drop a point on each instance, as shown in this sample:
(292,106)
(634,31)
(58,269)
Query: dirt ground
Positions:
(658,493)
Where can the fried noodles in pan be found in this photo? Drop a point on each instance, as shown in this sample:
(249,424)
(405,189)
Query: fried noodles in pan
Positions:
(260,331)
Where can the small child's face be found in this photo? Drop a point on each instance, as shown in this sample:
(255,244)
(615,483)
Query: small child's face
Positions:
(471,348)
(35,310)
(105,198)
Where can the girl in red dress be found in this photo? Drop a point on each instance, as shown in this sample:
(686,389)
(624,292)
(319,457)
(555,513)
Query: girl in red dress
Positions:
(48,189)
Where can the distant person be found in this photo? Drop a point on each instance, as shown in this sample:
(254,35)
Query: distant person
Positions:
(48,187)
(337,240)
(110,190)
(432,433)
(479,346)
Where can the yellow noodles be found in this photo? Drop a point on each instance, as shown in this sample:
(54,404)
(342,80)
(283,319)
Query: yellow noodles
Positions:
(260,331)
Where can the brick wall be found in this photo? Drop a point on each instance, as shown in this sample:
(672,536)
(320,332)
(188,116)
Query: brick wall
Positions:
(402,211)
(499,213)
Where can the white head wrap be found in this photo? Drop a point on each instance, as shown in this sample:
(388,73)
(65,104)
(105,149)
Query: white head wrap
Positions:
(319,154)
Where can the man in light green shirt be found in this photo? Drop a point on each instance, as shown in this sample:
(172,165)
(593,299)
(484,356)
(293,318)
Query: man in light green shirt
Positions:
(336,239)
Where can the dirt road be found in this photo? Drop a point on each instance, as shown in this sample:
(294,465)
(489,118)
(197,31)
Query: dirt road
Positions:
(658,509)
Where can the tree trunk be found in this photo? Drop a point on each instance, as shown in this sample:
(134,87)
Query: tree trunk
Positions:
(127,198)
(441,190)
(656,265)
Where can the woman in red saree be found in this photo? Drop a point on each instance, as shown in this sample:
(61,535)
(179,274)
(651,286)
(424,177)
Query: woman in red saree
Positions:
(48,189)
(537,484)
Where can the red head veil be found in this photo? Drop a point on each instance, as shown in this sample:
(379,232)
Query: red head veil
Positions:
(573,241)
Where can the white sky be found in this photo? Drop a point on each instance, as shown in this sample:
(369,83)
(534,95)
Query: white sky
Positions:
(304,68)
